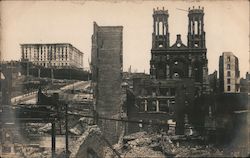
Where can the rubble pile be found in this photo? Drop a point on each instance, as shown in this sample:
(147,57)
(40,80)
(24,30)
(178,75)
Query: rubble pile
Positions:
(145,152)
(45,128)
(184,148)
(36,128)
(142,144)
(32,152)
(90,130)
(81,126)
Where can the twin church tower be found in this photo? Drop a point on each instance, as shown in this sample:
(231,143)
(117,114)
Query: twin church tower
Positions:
(179,61)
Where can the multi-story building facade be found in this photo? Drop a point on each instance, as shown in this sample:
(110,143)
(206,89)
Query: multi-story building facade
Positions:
(158,101)
(229,74)
(57,55)
(106,68)
(178,72)
(179,61)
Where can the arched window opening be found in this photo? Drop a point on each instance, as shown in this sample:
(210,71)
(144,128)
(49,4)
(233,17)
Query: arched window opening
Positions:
(196,27)
(160,28)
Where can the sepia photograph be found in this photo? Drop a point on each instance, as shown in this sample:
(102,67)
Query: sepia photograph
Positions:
(124,78)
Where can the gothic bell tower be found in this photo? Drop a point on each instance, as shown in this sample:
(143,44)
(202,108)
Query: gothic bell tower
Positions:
(160,35)
(196,34)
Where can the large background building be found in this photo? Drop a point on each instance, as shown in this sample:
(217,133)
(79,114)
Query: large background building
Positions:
(229,74)
(106,68)
(52,55)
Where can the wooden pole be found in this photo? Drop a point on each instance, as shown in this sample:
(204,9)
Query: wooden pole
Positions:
(53,140)
(66,131)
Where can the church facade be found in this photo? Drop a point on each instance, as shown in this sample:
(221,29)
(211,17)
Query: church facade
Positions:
(180,60)
(178,74)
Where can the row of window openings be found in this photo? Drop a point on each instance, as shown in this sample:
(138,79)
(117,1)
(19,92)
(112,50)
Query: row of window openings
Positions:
(60,64)
(54,53)
(50,48)
(157,106)
(162,29)
(51,56)
(48,58)
(62,57)
(58,53)
(45,52)
(162,92)
(196,27)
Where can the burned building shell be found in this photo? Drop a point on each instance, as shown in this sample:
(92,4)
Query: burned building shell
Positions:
(178,72)
(179,60)
(106,67)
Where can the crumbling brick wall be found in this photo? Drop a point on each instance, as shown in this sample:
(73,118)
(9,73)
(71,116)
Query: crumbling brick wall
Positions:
(106,68)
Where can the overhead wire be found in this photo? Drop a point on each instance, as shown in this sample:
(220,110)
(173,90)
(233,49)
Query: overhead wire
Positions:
(144,122)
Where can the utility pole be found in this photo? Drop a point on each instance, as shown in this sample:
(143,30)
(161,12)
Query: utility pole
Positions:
(66,131)
(52,75)
(28,69)
(53,139)
(39,72)
(248,129)
(88,75)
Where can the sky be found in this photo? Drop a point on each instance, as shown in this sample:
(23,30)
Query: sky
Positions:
(226,24)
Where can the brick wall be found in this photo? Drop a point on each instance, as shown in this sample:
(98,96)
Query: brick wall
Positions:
(106,68)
